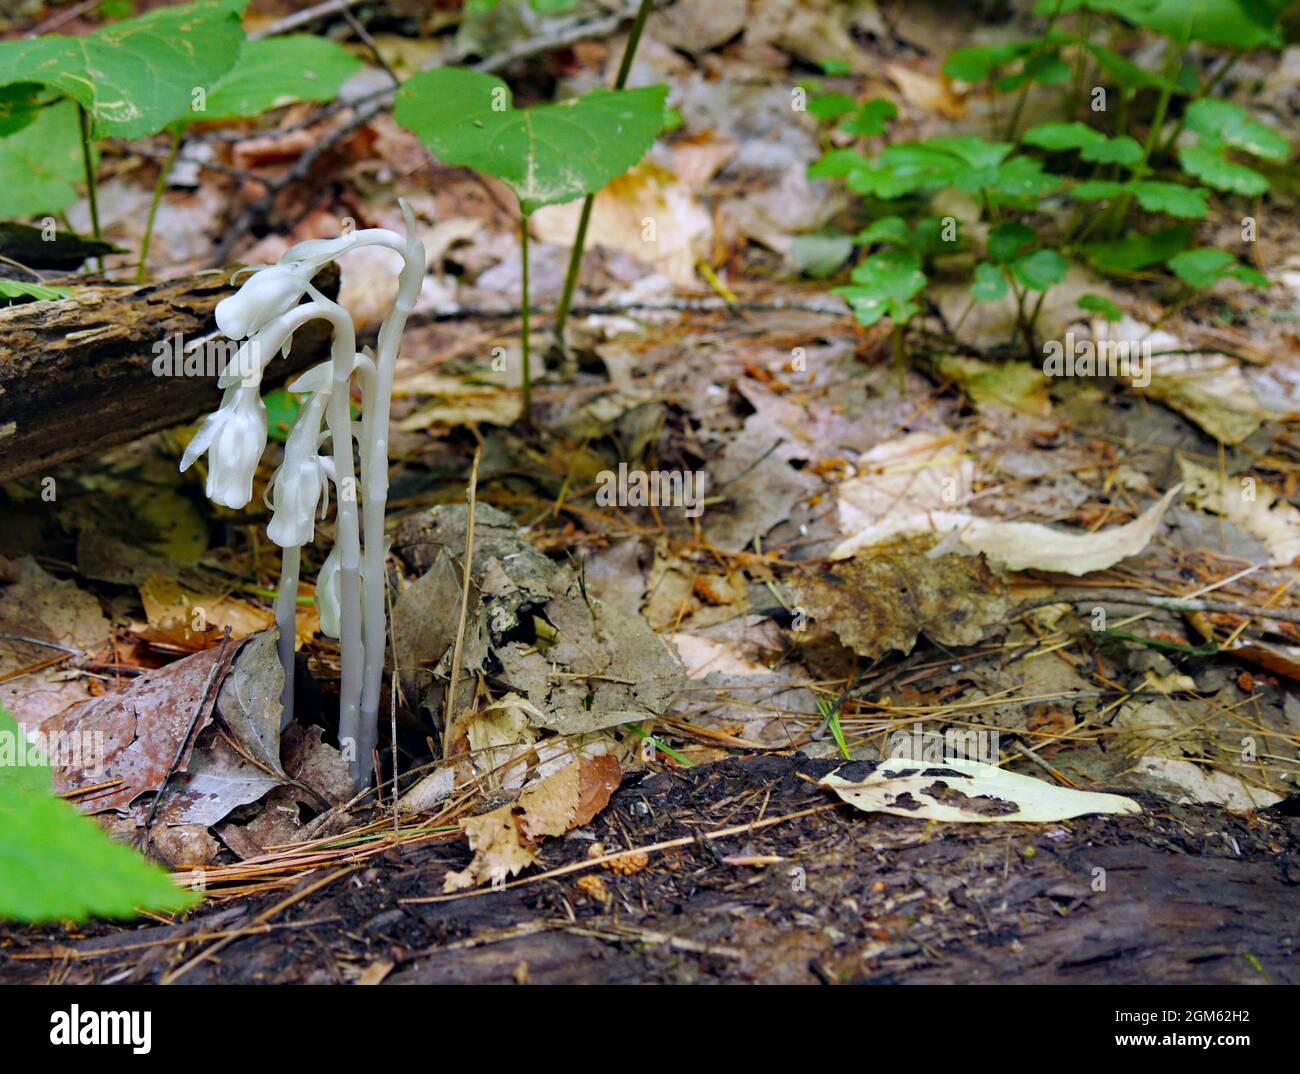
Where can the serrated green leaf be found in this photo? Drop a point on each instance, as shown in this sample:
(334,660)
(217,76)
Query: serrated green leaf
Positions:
(1214,169)
(989,285)
(1204,267)
(972,150)
(883,285)
(547,154)
(1188,202)
(871,119)
(1020,179)
(275,71)
(1007,240)
(56,864)
(1138,251)
(137,76)
(1100,304)
(1223,121)
(1040,269)
(39,164)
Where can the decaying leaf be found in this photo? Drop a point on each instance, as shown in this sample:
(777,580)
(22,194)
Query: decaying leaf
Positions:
(882,599)
(1248,504)
(138,732)
(968,792)
(1016,386)
(503,839)
(37,607)
(1182,781)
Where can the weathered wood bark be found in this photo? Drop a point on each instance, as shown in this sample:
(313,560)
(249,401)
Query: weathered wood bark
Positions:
(87,372)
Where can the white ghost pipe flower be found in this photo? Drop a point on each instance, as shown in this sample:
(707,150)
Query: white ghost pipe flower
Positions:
(234,438)
(265,312)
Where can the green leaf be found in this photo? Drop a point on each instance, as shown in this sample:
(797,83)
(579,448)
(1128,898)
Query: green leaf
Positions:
(1058,136)
(1091,144)
(1020,179)
(1123,150)
(871,119)
(1100,304)
(886,229)
(883,285)
(976,63)
(1007,240)
(41,291)
(1138,251)
(990,284)
(1214,169)
(1040,269)
(1123,70)
(831,105)
(1175,199)
(1206,266)
(39,164)
(834,68)
(56,864)
(1215,22)
(274,71)
(547,154)
(977,152)
(1096,189)
(19,106)
(134,77)
(1223,121)
(837,164)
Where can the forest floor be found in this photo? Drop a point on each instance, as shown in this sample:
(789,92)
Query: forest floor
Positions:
(742,634)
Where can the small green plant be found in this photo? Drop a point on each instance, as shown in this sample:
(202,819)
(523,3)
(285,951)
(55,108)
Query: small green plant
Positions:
(1121,188)
(56,864)
(547,154)
(162,71)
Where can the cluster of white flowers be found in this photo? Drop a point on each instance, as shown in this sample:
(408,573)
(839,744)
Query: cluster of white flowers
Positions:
(264,314)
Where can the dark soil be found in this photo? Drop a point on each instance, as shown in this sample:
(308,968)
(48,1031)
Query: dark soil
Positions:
(1178,894)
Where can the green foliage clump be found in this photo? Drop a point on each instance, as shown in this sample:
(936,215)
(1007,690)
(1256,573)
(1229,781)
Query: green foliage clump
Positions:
(1100,186)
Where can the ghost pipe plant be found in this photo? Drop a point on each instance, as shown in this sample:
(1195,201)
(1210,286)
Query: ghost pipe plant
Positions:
(264,314)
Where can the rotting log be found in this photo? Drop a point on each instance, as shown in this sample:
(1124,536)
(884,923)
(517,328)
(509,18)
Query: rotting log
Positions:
(89,371)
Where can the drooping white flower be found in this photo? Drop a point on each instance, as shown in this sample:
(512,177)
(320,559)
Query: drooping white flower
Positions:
(234,438)
(301,480)
(329,598)
(268,293)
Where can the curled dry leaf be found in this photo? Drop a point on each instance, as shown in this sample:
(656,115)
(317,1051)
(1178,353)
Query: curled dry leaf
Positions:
(503,839)
(968,792)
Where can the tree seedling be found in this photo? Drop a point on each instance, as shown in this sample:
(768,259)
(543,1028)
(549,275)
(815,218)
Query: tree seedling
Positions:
(547,154)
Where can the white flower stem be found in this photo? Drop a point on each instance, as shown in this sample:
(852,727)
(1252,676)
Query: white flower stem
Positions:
(286,610)
(377,398)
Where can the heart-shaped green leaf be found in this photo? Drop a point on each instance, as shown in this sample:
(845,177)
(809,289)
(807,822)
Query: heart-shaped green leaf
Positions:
(55,863)
(546,154)
(1040,269)
(1175,199)
(274,71)
(990,284)
(134,77)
